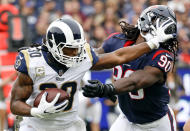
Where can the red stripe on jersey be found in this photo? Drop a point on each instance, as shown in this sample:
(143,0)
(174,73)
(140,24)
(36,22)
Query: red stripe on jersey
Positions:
(112,35)
(159,52)
(128,43)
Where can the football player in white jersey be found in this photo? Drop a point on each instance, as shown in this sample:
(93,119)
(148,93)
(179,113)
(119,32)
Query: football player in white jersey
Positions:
(61,62)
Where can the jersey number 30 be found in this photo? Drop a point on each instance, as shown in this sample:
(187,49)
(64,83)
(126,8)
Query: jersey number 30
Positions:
(69,87)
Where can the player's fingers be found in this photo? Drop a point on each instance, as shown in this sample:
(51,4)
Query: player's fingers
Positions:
(167,22)
(55,99)
(170,36)
(153,29)
(89,88)
(89,94)
(158,23)
(167,25)
(43,99)
(93,81)
(86,90)
(62,106)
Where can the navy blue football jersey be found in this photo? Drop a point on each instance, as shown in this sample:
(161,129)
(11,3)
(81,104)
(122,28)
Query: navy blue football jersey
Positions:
(115,41)
(147,104)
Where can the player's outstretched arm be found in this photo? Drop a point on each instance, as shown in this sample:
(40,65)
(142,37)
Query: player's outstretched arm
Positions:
(121,56)
(22,89)
(127,54)
(137,80)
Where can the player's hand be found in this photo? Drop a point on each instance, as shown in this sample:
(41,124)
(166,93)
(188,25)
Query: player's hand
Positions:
(97,89)
(160,30)
(159,33)
(45,108)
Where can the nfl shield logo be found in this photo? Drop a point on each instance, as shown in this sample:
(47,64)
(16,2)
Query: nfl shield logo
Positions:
(60,72)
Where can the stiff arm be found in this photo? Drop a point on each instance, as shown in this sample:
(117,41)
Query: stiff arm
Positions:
(121,56)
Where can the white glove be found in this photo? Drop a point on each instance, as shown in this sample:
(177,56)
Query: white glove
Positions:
(45,108)
(159,33)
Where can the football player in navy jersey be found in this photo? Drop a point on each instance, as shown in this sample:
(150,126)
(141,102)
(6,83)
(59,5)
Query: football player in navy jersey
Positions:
(140,84)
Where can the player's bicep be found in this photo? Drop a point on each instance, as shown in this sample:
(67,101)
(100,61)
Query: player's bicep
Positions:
(153,75)
(22,88)
(139,79)
(162,60)
(147,77)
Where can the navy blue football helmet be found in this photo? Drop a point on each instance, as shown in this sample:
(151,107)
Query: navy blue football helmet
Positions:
(149,16)
(65,32)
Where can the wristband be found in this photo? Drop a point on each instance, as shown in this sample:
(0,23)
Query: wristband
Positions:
(34,112)
(153,44)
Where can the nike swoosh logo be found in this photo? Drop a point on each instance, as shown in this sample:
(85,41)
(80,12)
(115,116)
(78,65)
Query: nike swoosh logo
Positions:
(46,112)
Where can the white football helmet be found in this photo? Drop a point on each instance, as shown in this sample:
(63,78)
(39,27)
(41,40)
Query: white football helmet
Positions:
(65,32)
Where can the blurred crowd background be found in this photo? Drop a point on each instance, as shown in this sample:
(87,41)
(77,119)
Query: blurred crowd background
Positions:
(23,22)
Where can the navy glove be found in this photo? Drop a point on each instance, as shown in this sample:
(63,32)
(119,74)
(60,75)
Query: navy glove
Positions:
(97,89)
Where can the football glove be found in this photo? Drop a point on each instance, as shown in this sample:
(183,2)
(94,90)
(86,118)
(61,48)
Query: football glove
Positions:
(159,33)
(97,89)
(45,108)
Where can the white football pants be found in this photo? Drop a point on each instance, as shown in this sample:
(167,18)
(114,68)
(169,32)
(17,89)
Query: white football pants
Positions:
(79,125)
(166,123)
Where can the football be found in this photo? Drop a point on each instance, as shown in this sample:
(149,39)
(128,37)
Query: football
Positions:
(52,92)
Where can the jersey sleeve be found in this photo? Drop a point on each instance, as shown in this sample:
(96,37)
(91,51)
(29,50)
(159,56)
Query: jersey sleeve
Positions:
(107,44)
(161,59)
(93,57)
(20,63)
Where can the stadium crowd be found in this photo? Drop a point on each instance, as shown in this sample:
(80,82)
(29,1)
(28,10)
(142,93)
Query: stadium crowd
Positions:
(99,19)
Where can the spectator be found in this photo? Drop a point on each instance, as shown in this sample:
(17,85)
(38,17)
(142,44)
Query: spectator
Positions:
(99,35)
(29,12)
(110,20)
(99,12)
(87,7)
(47,15)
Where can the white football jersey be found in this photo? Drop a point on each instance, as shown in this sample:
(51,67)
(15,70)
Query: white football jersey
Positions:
(32,61)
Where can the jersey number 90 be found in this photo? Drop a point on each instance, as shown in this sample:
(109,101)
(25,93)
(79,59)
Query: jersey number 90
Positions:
(137,95)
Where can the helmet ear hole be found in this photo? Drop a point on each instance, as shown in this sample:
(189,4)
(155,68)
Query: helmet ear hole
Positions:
(142,19)
(171,29)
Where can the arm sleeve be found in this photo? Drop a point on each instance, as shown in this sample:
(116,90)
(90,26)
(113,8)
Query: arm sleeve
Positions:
(20,63)
(92,55)
(106,46)
(161,59)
